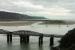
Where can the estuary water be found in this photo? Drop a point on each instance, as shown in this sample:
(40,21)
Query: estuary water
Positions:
(33,44)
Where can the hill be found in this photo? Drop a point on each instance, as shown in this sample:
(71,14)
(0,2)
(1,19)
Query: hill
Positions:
(9,16)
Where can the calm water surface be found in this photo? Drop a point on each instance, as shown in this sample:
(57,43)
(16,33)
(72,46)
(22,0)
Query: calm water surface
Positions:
(33,45)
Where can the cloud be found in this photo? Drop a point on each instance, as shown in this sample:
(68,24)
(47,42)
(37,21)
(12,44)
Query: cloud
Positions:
(28,5)
(48,8)
(42,10)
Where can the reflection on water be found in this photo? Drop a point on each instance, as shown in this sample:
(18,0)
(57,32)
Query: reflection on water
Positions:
(16,45)
(24,46)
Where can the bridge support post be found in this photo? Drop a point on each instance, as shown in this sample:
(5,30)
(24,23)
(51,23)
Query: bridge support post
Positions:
(9,38)
(24,39)
(52,40)
(41,40)
(21,38)
(27,39)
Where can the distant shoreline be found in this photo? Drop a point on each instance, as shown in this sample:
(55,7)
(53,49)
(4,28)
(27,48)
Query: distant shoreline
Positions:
(16,23)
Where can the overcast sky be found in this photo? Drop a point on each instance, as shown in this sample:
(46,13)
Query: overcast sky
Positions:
(52,9)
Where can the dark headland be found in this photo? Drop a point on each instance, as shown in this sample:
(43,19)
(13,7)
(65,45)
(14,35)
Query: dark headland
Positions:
(10,16)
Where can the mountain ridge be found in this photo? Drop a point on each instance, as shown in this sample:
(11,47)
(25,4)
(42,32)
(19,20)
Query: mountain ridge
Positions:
(10,16)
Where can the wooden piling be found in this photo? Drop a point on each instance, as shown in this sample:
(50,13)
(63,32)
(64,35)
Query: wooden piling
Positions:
(52,40)
(9,38)
(40,39)
(27,39)
(21,38)
(24,38)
